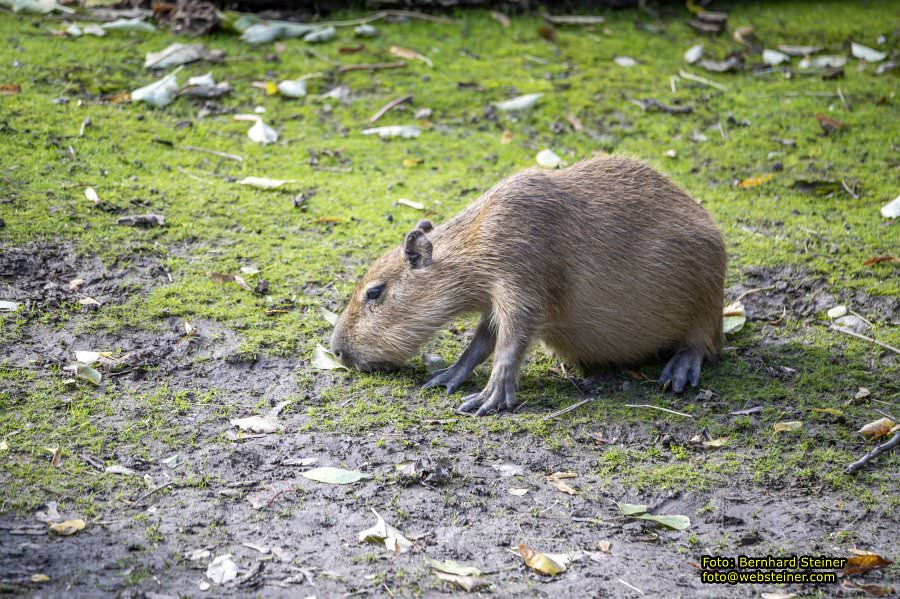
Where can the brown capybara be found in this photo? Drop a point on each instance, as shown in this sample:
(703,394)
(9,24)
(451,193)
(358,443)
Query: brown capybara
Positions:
(607,262)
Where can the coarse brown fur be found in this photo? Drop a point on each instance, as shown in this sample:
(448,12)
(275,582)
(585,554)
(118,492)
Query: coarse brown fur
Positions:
(607,262)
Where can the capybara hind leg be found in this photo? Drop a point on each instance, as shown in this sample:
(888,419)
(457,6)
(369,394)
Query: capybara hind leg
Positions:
(684,367)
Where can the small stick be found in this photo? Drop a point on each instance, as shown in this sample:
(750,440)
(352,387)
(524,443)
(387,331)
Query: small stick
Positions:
(754,290)
(188,173)
(672,85)
(370,66)
(861,317)
(849,190)
(864,338)
(699,79)
(652,407)
(384,109)
(894,442)
(151,492)
(234,157)
(411,14)
(632,587)
(571,408)
(843,99)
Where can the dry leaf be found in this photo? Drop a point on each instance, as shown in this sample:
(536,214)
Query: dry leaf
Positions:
(467,583)
(408,54)
(540,562)
(604,546)
(10,89)
(392,538)
(716,443)
(506,137)
(876,429)
(90,194)
(55,457)
(863,563)
(788,426)
(517,492)
(561,486)
(881,259)
(754,181)
(829,124)
(67,528)
(500,18)
(411,204)
(831,411)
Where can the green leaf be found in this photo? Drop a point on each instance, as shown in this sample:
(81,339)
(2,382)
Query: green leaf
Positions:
(631,509)
(324,359)
(330,316)
(451,567)
(83,371)
(334,476)
(674,522)
(733,324)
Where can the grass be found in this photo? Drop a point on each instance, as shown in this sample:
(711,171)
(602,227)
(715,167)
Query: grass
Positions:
(135,158)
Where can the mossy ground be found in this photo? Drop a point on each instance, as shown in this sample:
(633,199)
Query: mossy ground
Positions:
(810,248)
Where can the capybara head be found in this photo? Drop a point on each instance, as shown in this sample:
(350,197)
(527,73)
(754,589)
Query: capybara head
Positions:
(394,309)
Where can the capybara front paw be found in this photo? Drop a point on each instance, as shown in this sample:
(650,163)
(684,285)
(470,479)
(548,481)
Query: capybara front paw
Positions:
(451,378)
(684,367)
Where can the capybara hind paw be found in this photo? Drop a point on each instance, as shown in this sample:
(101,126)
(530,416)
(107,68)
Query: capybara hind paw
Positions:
(684,367)
(488,401)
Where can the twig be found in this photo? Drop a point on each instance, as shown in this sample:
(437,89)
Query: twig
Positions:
(346,68)
(652,407)
(553,415)
(213,152)
(412,14)
(861,317)
(864,338)
(885,414)
(632,587)
(384,109)
(849,190)
(887,446)
(754,290)
(843,99)
(150,492)
(188,173)
(672,84)
(703,80)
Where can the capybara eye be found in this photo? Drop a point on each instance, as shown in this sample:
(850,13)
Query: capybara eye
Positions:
(373,293)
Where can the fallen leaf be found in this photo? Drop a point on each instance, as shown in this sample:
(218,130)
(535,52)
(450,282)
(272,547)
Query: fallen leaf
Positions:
(778,595)
(837,312)
(506,137)
(67,528)
(83,371)
(822,62)
(75,284)
(518,103)
(222,569)
(50,516)
(604,546)
(799,50)
(403,131)
(383,532)
(8,306)
(734,317)
(517,492)
(866,53)
(732,63)
(792,425)
(881,260)
(159,93)
(256,424)
(325,34)
(877,428)
(119,469)
(451,567)
(263,183)
(829,411)
(411,204)
(55,456)
(774,57)
(334,476)
(540,562)
(324,359)
(861,394)
(747,412)
(4,446)
(292,88)
(262,133)
(365,31)
(561,486)
(40,578)
(549,159)
(631,509)
(500,18)
(829,124)
(754,181)
(467,583)
(135,24)
(625,61)
(88,301)
(716,443)
(891,209)
(574,19)
(675,522)
(693,54)
(330,317)
(173,56)
(508,469)
(10,89)
(408,54)
(859,564)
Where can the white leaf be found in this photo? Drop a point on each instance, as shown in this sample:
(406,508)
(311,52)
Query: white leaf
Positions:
(334,476)
(87,357)
(325,360)
(173,56)
(693,54)
(866,53)
(411,204)
(90,194)
(517,492)
(263,183)
(202,80)
(509,469)
(549,159)
(256,424)
(330,317)
(94,30)
(365,31)
(136,24)
(74,30)
(383,532)
(837,312)
(326,34)
(891,209)
(262,133)
(799,50)
(119,469)
(625,61)
(292,88)
(7,306)
(159,93)
(519,103)
(406,131)
(822,62)
(774,57)
(222,569)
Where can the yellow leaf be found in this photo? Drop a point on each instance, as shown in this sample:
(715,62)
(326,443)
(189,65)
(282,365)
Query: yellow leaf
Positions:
(539,562)
(864,563)
(67,528)
(878,428)
(561,486)
(409,162)
(788,426)
(271,88)
(40,578)
(506,138)
(832,411)
(755,181)
(715,443)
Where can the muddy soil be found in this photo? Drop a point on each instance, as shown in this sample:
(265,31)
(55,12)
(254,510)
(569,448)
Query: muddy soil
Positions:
(291,537)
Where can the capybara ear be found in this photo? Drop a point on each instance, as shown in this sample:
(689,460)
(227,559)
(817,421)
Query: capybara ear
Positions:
(417,249)
(425,225)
